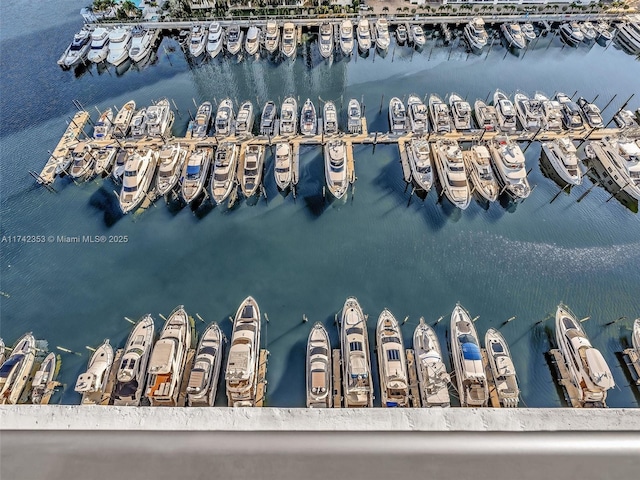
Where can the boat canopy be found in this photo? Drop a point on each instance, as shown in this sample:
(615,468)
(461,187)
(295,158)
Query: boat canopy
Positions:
(470,349)
(598,369)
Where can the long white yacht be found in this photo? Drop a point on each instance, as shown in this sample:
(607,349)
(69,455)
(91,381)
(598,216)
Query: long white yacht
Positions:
(195,173)
(354,116)
(160,119)
(397,117)
(325,40)
(628,36)
(335,168)
(122,122)
(288,40)
(529,111)
(439,112)
(252,171)
(418,115)
(561,156)
(202,122)
(587,368)
(571,116)
(46,373)
(16,369)
(170,162)
(591,113)
(509,165)
(225,118)
(99,45)
(131,376)
(252,41)
(168,359)
(271,36)
(104,125)
(234,39)
(363,35)
(319,379)
(392,363)
(552,112)
(289,117)
(268,119)
(136,180)
(119,43)
(382,34)
(476,34)
(92,383)
(203,379)
(513,34)
(433,378)
(141,43)
(77,51)
(460,111)
(502,368)
(505,111)
(571,33)
(417,33)
(346,37)
(447,157)
(486,116)
(245,119)
(214,39)
(241,374)
(330,118)
(477,161)
(418,154)
(357,386)
(283,169)
(308,118)
(197,41)
(223,176)
(467,360)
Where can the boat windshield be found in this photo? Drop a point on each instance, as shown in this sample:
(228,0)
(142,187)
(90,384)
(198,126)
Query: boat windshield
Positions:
(9,364)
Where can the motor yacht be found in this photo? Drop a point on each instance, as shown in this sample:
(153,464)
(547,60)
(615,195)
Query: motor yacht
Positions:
(252,172)
(363,35)
(447,158)
(605,35)
(625,119)
(202,122)
(325,40)
(346,37)
(418,115)
(589,31)
(141,43)
(203,379)
(635,336)
(245,119)
(252,42)
(439,112)
(392,363)
(170,163)
(268,119)
(272,36)
(136,180)
(319,378)
(122,122)
(471,378)
(560,155)
(629,150)
(41,384)
(529,111)
(241,374)
(509,165)
(551,113)
(99,48)
(121,161)
(588,370)
(283,170)
(330,118)
(288,40)
(357,387)
(2,352)
(528,31)
(223,176)
(308,118)
(104,125)
(214,39)
(160,119)
(417,33)
(477,161)
(505,111)
(486,116)
(131,376)
(571,33)
(197,41)
(82,162)
(104,159)
(354,116)
(139,124)
(628,36)
(168,359)
(476,34)
(514,36)
(418,154)
(398,123)
(119,44)
(225,118)
(16,369)
(502,369)
(591,113)
(571,116)
(289,117)
(433,379)
(382,34)
(234,39)
(77,51)
(92,383)
(460,111)
(195,173)
(335,168)
(401,34)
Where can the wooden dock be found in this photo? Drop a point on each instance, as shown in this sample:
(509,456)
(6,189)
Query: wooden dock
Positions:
(632,360)
(337,378)
(414,389)
(571,392)
(494,399)
(295,160)
(404,161)
(351,164)
(184,382)
(261,388)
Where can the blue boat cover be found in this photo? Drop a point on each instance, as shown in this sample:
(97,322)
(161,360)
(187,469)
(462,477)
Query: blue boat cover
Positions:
(193,169)
(471,351)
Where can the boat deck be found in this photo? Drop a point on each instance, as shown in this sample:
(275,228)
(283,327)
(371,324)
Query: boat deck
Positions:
(414,390)
(571,393)
(494,398)
(632,360)
(337,378)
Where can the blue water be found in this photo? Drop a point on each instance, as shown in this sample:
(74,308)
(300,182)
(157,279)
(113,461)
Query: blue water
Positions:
(303,257)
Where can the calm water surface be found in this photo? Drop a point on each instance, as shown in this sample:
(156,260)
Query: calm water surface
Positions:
(302,257)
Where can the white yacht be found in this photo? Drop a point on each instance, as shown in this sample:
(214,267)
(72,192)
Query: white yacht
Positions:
(635,337)
(308,118)
(528,32)
(160,119)
(122,122)
(119,43)
(104,158)
(139,124)
(447,157)
(571,116)
(82,162)
(99,45)
(104,125)
(529,111)
(346,37)
(478,164)
(223,176)
(268,119)
(325,40)
(288,40)
(418,115)
(591,113)
(382,34)
(141,43)
(397,117)
(136,180)
(505,111)
(131,376)
(121,161)
(335,168)
(77,51)
(202,122)
(392,363)
(354,116)
(170,162)
(363,35)
(195,173)
(319,378)
(330,118)
(460,111)
(40,386)
(604,32)
(2,352)
(241,374)
(628,36)
(289,117)
(272,36)
(283,169)
(509,164)
(203,379)
(551,112)
(513,34)
(245,119)
(225,118)
(252,171)
(214,39)
(486,116)
(417,33)
(197,40)
(357,386)
(234,39)
(571,33)
(467,360)
(252,41)
(589,31)
(16,369)
(475,34)
(418,154)
(625,119)
(629,151)
(560,155)
(587,368)
(168,359)
(439,112)
(92,383)
(401,34)
(502,369)
(433,379)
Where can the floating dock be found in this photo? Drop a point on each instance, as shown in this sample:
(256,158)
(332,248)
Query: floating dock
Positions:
(494,399)
(632,360)
(261,389)
(571,392)
(184,383)
(337,378)
(414,389)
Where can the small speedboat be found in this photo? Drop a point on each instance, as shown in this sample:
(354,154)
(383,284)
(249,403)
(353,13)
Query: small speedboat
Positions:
(202,122)
(397,117)
(268,119)
(392,363)
(122,122)
(335,168)
(330,118)
(418,153)
(225,118)
(16,369)
(502,368)
(223,176)
(433,378)
(203,379)
(103,127)
(92,383)
(319,389)
(252,42)
(138,173)
(195,172)
(245,119)
(252,171)
(42,380)
(452,173)
(283,169)
(354,116)
(289,117)
(478,164)
(460,111)
(170,162)
(308,118)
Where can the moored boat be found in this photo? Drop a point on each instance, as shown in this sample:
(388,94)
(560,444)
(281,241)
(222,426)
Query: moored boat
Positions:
(202,122)
(478,164)
(417,34)
(357,387)
(635,336)
(92,383)
(418,115)
(325,40)
(234,39)
(203,379)
(308,118)
(505,111)
(289,117)
(104,125)
(104,158)
(346,37)
(195,173)
(433,379)
(77,51)
(460,111)
(252,172)
(43,378)
(214,39)
(119,43)
(141,43)
(283,169)
(513,34)
(122,122)
(160,119)
(363,35)
(486,116)
(268,119)
(99,45)
(223,176)
(335,168)
(591,113)
(138,173)
(529,111)
(272,36)
(82,163)
(15,370)
(139,124)
(252,41)
(245,119)
(397,117)
(319,368)
(330,118)
(476,34)
(571,116)
(121,161)
(439,112)
(418,154)
(401,34)
(289,40)
(225,118)
(571,33)
(551,112)
(509,164)
(382,34)
(447,158)
(392,363)
(170,162)
(560,155)
(197,40)
(354,116)
(502,368)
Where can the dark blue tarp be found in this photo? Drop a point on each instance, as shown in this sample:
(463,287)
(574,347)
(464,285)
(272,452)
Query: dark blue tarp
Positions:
(471,351)
(193,169)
